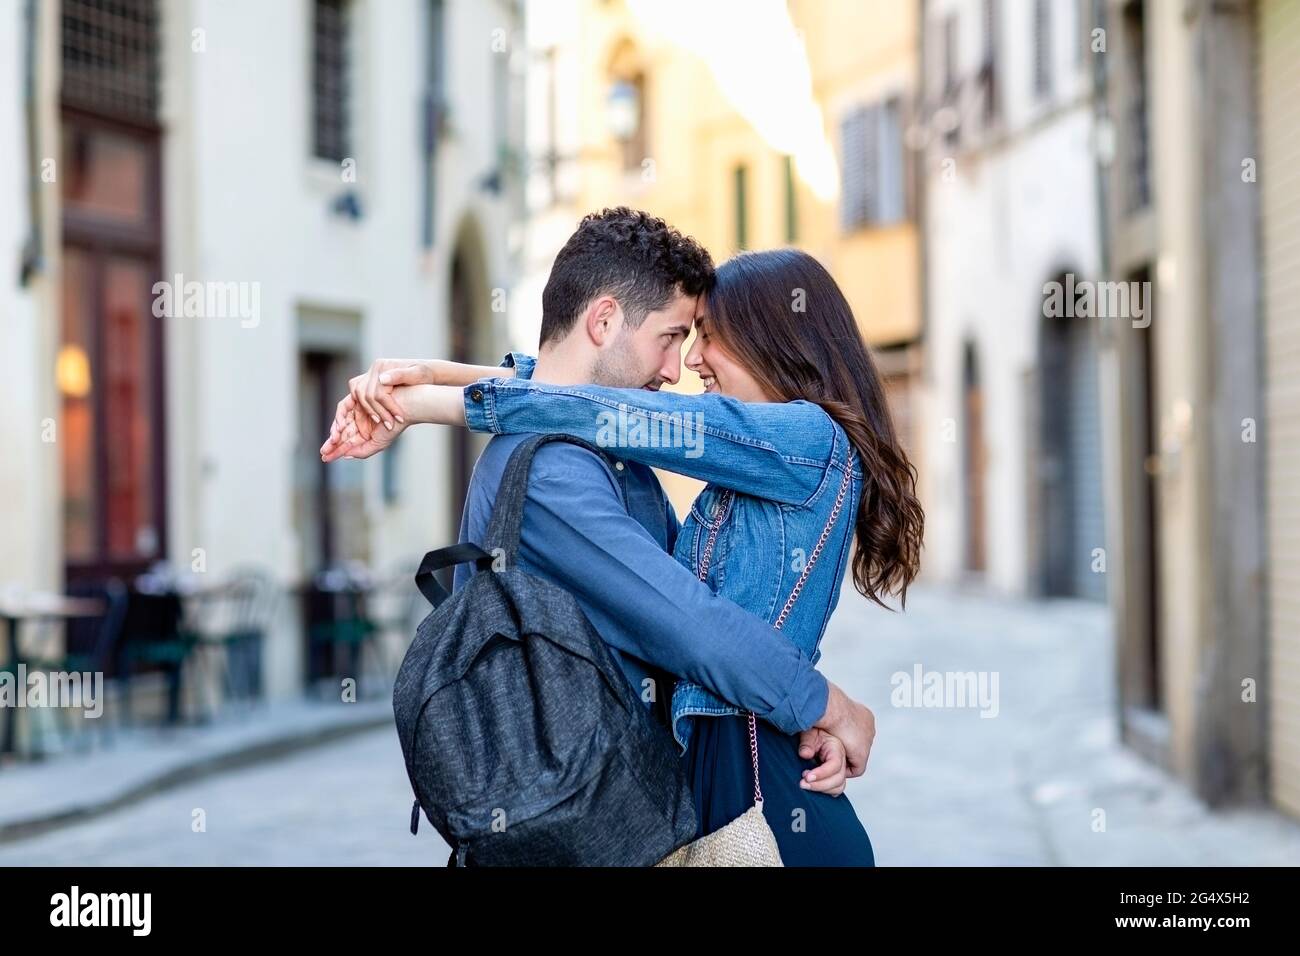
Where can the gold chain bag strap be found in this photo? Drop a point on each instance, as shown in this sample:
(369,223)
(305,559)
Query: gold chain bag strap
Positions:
(748,840)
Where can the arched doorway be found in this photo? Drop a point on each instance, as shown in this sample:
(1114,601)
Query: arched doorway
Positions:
(470,339)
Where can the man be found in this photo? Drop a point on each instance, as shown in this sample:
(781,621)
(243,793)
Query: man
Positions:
(617,308)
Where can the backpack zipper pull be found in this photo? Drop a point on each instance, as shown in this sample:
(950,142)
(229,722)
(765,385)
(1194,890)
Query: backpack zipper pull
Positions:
(415,817)
(461,851)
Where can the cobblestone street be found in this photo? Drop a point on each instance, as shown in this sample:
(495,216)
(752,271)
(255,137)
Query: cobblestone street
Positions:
(944,786)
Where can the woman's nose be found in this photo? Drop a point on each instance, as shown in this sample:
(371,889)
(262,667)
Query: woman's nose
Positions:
(693,357)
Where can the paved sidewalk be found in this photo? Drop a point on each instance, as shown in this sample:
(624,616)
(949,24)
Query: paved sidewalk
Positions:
(346,803)
(76,786)
(945,786)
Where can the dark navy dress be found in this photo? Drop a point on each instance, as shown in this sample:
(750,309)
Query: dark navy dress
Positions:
(721,774)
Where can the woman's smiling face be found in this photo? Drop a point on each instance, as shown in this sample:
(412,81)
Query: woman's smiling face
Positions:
(721,374)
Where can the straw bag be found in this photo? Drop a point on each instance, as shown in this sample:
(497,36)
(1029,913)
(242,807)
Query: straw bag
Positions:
(748,840)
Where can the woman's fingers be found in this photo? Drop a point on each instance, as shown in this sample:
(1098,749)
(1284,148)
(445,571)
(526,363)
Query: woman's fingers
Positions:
(829,776)
(358,388)
(375,400)
(361,420)
(386,381)
(809,741)
(381,397)
(406,375)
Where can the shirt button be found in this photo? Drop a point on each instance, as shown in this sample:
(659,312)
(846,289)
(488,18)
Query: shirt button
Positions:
(618,465)
(476,395)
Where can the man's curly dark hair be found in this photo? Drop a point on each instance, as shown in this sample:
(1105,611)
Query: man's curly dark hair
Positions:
(636,258)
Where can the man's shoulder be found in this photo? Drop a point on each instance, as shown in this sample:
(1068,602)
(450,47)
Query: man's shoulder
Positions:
(556,461)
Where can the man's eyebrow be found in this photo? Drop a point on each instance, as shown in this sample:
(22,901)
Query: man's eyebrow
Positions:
(683,329)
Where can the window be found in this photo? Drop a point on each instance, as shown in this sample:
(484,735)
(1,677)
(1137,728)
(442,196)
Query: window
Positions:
(110,57)
(434,108)
(1043,48)
(1083,40)
(330,80)
(989,66)
(1137,160)
(951,79)
(871,143)
(950,54)
(791,202)
(109,369)
(741,187)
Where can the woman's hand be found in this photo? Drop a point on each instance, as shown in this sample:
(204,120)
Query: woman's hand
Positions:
(372,390)
(354,435)
(830,775)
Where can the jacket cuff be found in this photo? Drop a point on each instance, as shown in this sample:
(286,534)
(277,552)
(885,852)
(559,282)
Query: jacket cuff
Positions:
(480,406)
(808,699)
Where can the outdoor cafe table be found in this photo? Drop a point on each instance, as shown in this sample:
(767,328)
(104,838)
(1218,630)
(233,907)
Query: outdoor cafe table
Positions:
(35,607)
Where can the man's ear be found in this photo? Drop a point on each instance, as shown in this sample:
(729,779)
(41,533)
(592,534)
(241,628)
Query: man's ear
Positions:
(603,320)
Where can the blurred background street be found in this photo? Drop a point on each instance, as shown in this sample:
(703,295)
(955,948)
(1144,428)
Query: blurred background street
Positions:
(944,787)
(1069,231)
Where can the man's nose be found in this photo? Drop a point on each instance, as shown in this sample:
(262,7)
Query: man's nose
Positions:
(671,370)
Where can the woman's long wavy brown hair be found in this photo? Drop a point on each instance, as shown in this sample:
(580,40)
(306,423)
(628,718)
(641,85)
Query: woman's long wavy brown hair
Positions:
(781,315)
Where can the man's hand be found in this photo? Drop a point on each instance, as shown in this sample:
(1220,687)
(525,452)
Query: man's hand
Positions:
(853,724)
(353,435)
(830,775)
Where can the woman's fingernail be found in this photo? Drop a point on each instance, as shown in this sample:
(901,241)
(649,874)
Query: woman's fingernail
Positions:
(389,425)
(384,378)
(400,419)
(375,419)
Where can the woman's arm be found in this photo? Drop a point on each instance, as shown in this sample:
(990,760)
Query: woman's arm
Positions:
(373,389)
(775,450)
(354,435)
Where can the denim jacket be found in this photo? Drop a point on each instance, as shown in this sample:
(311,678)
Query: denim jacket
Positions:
(784,461)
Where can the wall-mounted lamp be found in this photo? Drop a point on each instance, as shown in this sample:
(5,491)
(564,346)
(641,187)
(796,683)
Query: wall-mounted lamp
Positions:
(623,110)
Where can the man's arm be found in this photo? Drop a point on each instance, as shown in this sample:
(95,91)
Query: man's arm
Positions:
(578,532)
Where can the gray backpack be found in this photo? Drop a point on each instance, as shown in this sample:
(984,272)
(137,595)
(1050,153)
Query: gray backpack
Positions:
(524,741)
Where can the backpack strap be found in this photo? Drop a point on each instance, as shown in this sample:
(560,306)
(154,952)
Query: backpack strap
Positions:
(508,511)
(503,531)
(447,557)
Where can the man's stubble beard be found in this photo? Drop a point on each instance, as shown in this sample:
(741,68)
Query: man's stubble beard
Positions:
(616,367)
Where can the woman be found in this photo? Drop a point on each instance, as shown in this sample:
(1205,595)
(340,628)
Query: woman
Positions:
(793,435)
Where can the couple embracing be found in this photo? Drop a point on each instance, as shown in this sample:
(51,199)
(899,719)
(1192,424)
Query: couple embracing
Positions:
(805,478)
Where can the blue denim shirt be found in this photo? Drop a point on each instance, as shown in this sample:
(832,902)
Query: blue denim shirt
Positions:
(785,461)
(603,531)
